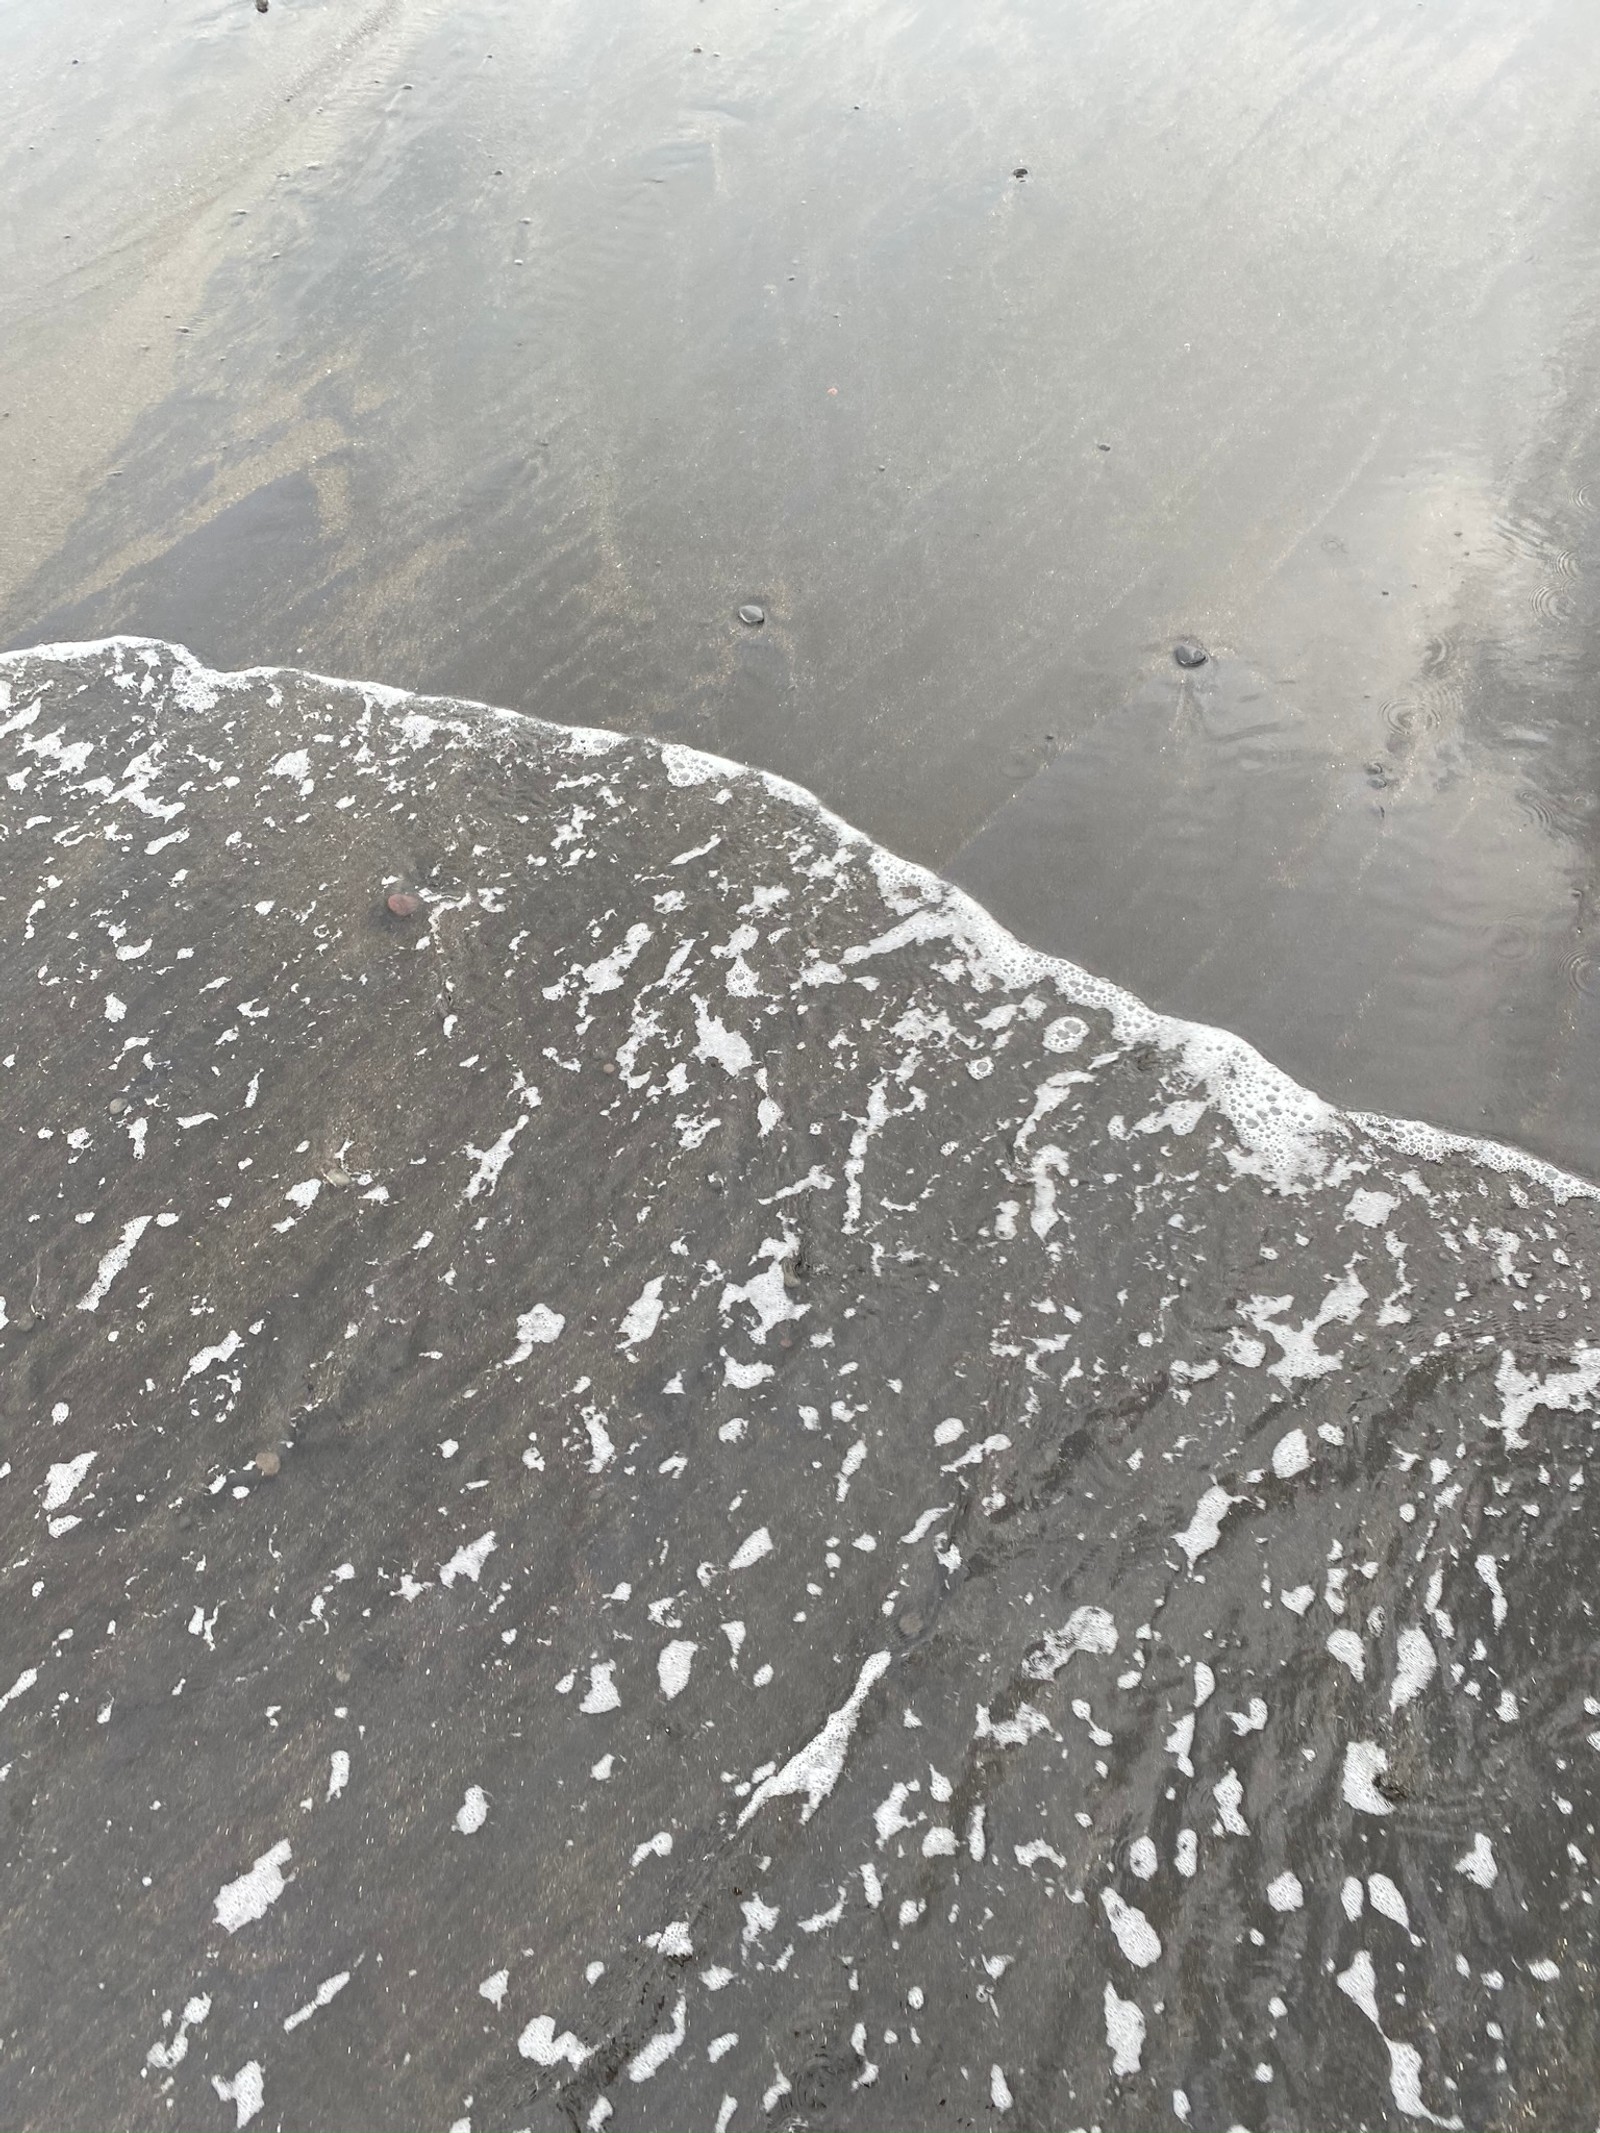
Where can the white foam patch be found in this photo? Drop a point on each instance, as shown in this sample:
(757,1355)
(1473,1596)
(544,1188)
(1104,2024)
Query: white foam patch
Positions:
(603,1694)
(767,1296)
(1135,1936)
(1415,1667)
(653,2057)
(1371,1209)
(535,1329)
(113,1263)
(1285,1892)
(240,1903)
(1124,2033)
(246,2091)
(1064,1034)
(468,1561)
(1387,1899)
(642,1316)
(1359,1983)
(749,1552)
(1291,1455)
(1364,1763)
(606,975)
(1204,1530)
(1300,1357)
(1086,1629)
(672,1666)
(324,1996)
(1228,1792)
(205,1358)
(63,1480)
(1478,1865)
(546,2046)
(491,1161)
(1521,1392)
(167,2053)
(813,1770)
(726,1047)
(1347,1648)
(20,1687)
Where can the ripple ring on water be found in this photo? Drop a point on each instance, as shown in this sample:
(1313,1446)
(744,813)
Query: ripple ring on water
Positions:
(1511,943)
(1406,716)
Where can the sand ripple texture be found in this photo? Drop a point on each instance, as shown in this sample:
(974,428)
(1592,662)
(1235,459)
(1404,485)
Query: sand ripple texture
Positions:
(675,1486)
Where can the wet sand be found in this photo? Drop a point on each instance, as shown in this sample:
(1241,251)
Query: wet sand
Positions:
(506,352)
(654,1478)
(650,1474)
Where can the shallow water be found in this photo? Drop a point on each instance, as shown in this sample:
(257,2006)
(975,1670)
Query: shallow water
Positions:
(678,1485)
(508,352)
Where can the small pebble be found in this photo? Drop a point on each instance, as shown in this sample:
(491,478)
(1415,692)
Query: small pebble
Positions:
(404,905)
(1190,652)
(752,616)
(911,1625)
(261,6)
(267,1463)
(117,1106)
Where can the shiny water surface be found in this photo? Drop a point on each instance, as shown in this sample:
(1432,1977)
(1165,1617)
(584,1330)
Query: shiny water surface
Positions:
(512,351)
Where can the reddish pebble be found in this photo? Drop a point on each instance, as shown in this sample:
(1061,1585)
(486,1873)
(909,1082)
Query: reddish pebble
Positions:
(404,906)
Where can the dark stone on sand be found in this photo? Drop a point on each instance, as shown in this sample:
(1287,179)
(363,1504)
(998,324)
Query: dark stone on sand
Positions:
(752,615)
(1190,652)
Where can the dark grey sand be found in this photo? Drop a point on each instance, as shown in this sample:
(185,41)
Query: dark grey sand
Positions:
(506,349)
(671,1482)
(683,1488)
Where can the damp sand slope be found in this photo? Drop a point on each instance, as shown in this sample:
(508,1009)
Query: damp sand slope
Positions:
(676,1486)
